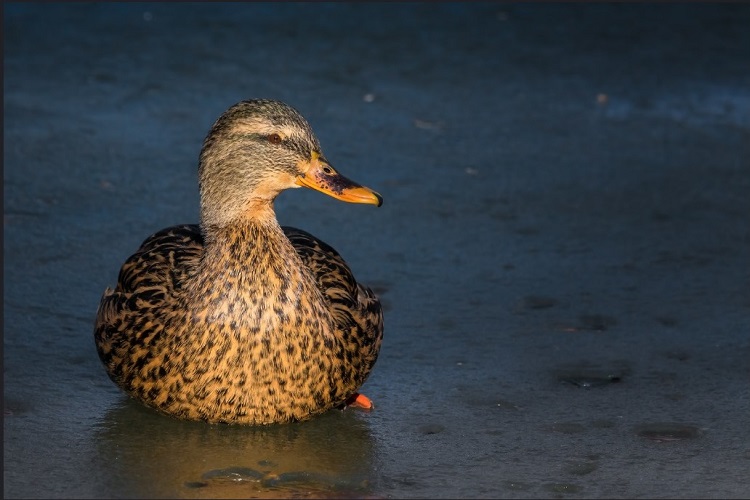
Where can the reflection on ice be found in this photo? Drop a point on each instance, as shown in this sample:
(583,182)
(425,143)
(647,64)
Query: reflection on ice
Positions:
(152,455)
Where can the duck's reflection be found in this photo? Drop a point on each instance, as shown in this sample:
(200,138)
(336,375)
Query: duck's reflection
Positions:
(146,454)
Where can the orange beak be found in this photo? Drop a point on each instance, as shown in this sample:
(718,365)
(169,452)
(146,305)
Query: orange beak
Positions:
(321,176)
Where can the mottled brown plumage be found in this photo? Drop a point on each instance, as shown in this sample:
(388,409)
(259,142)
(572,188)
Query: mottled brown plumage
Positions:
(239,320)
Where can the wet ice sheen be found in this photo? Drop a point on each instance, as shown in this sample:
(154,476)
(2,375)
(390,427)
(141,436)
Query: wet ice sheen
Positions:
(292,483)
(233,474)
(158,455)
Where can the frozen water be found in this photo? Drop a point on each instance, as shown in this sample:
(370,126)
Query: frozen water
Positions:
(562,252)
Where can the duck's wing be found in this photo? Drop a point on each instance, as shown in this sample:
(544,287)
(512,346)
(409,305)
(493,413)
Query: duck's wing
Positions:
(357,310)
(163,260)
(126,320)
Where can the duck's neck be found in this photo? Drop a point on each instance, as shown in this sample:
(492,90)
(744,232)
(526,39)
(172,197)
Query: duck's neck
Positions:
(250,275)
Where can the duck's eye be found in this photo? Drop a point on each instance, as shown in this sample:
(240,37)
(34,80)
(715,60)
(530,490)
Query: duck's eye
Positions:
(274,139)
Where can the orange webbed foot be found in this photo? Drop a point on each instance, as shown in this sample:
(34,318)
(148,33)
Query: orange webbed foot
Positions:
(360,401)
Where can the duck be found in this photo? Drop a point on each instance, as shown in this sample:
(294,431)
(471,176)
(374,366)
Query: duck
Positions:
(237,319)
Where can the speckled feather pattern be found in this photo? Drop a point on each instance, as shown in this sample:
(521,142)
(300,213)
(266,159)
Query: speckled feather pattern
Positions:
(239,320)
(272,327)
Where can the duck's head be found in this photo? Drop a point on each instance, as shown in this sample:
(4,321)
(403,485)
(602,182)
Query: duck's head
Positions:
(255,150)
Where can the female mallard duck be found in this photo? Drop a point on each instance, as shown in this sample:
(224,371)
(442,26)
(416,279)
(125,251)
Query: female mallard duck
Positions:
(239,320)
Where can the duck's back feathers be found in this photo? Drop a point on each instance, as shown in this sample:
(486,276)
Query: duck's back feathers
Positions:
(147,284)
(356,309)
(163,260)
